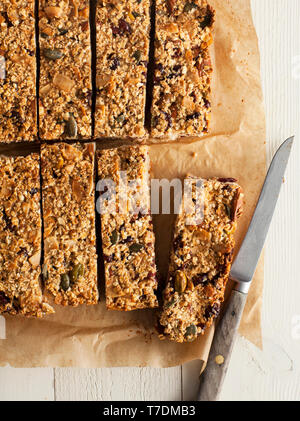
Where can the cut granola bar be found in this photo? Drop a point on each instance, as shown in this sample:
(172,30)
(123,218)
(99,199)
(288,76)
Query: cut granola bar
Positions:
(17,71)
(200,261)
(181,94)
(65,76)
(20,238)
(127,230)
(70,261)
(122,56)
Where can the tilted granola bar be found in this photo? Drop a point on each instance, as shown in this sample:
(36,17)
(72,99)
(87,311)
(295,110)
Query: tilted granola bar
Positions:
(17,71)
(70,261)
(127,231)
(122,56)
(65,76)
(181,94)
(20,237)
(200,261)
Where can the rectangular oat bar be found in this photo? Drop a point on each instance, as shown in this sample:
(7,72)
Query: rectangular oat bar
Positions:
(123,29)
(70,260)
(127,230)
(20,237)
(18,120)
(65,70)
(181,93)
(200,261)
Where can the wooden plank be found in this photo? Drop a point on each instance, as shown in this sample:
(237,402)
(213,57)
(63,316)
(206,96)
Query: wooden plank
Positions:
(118,384)
(270,375)
(26,384)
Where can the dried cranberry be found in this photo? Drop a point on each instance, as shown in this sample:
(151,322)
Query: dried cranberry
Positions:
(192,116)
(115,63)
(108,258)
(227,180)
(212,311)
(33,191)
(124,27)
(200,279)
(208,19)
(168,118)
(3,299)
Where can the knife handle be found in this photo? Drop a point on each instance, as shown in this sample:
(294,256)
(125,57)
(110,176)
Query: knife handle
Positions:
(211,380)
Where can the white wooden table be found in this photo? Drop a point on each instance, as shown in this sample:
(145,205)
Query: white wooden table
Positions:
(271,374)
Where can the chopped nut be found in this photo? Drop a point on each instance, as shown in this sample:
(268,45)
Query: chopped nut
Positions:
(53,11)
(63,82)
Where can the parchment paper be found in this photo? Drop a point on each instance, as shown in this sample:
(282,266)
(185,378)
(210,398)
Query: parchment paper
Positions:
(95,337)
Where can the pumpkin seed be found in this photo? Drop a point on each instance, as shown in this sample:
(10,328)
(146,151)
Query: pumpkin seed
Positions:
(76,272)
(171,303)
(62,31)
(45,272)
(65,281)
(120,118)
(228,210)
(180,281)
(71,127)
(191,331)
(137,55)
(44,35)
(114,237)
(54,54)
(135,248)
(189,6)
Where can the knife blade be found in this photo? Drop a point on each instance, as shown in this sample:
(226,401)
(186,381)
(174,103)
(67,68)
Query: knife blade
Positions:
(242,272)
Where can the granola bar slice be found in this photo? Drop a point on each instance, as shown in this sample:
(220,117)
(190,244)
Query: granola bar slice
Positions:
(127,230)
(181,93)
(200,261)
(17,71)
(65,75)
(123,29)
(20,238)
(70,260)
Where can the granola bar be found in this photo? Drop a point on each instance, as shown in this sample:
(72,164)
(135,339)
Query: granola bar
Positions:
(70,260)
(20,238)
(200,261)
(65,75)
(17,71)
(181,94)
(123,29)
(127,230)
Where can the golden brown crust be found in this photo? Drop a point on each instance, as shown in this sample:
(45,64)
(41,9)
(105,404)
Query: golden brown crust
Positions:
(200,261)
(20,238)
(70,260)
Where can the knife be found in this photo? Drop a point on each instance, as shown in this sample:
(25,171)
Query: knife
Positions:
(242,272)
